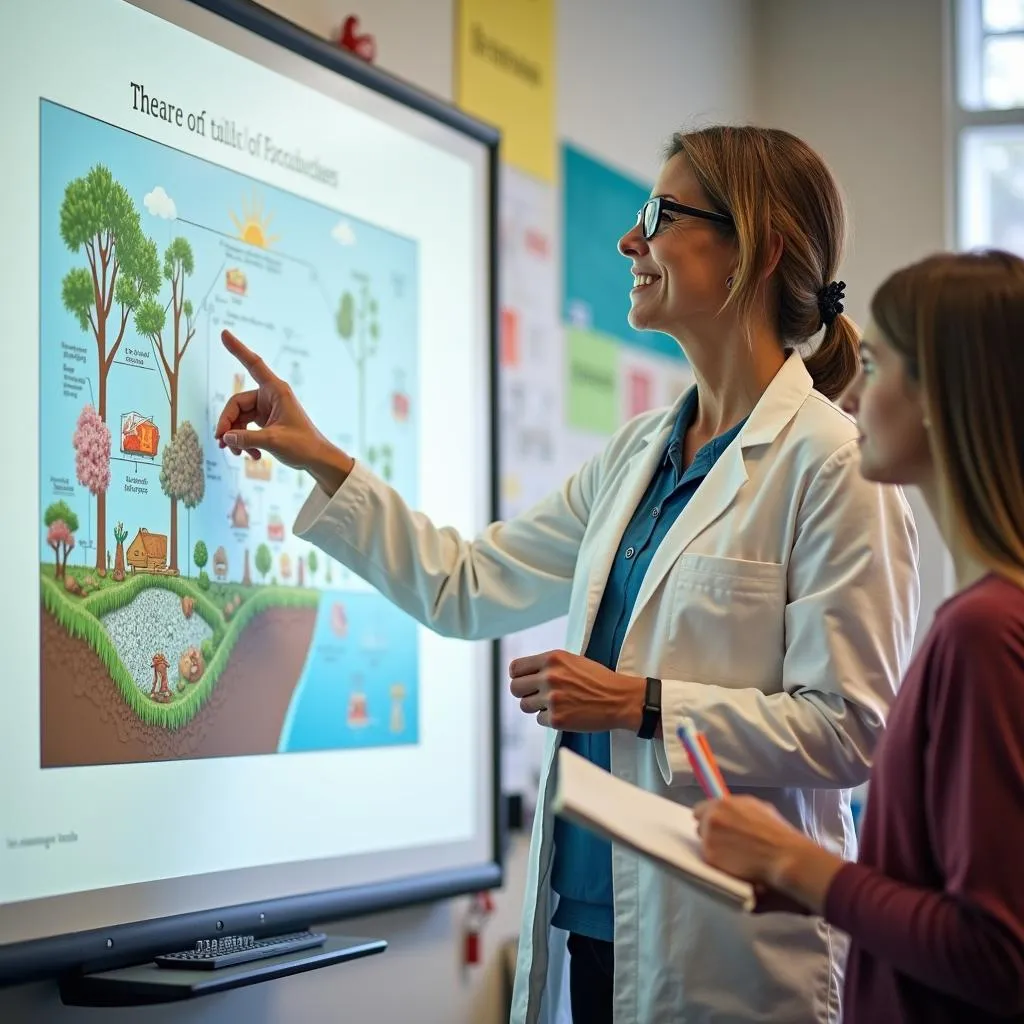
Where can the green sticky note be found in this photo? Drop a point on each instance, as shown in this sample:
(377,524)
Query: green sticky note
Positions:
(592,377)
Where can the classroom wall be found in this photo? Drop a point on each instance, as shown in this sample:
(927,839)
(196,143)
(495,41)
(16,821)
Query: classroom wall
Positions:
(865,85)
(628,75)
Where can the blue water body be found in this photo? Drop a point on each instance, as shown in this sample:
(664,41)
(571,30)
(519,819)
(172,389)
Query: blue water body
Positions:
(353,664)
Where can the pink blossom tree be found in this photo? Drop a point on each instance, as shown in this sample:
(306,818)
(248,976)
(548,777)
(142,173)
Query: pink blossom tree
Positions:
(92,466)
(60,535)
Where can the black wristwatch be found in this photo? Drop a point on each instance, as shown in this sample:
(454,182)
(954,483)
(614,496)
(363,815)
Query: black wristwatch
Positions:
(652,709)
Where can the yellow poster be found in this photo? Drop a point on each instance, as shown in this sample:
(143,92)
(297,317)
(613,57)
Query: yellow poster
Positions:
(505,74)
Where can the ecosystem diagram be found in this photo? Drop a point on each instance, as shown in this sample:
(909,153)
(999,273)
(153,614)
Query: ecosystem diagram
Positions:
(179,615)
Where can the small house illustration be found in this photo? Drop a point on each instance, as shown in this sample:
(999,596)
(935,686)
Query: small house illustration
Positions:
(275,527)
(139,435)
(240,514)
(220,563)
(235,281)
(257,469)
(148,552)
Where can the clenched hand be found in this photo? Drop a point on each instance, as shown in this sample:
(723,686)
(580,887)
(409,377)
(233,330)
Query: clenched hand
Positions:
(568,691)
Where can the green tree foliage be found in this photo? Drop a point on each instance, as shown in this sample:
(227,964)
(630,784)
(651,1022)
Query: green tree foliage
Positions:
(61,523)
(151,321)
(61,510)
(358,327)
(264,560)
(201,555)
(99,219)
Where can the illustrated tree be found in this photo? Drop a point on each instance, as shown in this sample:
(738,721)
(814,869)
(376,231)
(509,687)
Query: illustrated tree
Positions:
(91,441)
(151,321)
(182,479)
(357,325)
(200,555)
(120,535)
(98,218)
(264,561)
(61,523)
(312,563)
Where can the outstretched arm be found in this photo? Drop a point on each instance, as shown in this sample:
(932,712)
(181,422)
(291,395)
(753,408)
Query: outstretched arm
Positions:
(511,576)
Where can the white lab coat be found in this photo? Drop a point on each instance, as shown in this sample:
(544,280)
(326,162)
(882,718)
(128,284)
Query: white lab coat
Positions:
(779,611)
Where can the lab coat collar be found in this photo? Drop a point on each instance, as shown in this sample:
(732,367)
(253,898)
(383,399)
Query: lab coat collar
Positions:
(775,408)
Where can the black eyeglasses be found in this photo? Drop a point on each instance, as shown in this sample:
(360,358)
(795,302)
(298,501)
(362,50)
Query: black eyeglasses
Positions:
(650,213)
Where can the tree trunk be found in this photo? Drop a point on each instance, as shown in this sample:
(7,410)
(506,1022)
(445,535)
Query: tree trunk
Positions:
(119,559)
(101,498)
(172,537)
(64,567)
(56,561)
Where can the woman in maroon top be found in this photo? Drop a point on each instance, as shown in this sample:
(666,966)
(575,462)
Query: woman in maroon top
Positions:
(934,906)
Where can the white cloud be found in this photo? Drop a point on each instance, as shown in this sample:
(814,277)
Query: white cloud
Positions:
(160,204)
(343,233)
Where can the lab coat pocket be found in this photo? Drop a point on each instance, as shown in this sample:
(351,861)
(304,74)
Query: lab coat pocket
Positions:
(729,620)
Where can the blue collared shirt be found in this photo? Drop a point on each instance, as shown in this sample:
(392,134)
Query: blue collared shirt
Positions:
(582,870)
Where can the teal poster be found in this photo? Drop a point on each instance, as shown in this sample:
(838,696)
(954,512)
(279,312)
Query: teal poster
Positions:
(600,205)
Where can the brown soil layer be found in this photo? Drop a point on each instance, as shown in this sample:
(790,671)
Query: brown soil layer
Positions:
(85,721)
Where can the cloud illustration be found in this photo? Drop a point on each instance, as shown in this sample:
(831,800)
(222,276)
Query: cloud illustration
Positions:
(343,233)
(160,204)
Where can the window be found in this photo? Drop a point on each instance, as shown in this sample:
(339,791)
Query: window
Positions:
(989,123)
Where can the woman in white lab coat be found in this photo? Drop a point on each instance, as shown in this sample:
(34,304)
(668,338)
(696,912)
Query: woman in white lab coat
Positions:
(722,559)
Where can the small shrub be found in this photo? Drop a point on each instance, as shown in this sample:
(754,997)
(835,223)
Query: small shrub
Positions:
(204,580)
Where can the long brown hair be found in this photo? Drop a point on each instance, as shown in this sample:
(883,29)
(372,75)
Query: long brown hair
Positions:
(958,321)
(769,181)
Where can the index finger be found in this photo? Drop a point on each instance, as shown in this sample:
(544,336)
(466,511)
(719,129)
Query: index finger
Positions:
(526,666)
(261,373)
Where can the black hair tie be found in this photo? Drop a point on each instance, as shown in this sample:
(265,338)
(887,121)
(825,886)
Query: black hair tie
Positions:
(830,301)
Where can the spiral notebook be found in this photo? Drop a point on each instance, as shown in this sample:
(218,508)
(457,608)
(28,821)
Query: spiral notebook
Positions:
(656,828)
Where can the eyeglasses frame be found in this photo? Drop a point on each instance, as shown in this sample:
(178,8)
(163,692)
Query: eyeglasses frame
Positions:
(662,204)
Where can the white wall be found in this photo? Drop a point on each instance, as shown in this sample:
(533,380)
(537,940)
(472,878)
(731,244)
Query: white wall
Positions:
(629,74)
(865,84)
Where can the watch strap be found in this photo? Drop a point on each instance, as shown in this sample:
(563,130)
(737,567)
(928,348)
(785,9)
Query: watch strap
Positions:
(652,709)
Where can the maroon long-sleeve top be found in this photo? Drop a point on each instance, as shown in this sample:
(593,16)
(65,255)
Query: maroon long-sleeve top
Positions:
(935,904)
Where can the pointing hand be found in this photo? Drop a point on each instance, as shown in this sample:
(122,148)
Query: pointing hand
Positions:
(269,418)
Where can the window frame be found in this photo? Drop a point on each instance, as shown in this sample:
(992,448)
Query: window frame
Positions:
(967,34)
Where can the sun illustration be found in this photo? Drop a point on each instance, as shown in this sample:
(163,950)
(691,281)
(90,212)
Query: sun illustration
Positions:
(253,225)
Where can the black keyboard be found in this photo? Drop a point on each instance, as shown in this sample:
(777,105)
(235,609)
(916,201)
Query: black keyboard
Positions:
(209,954)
